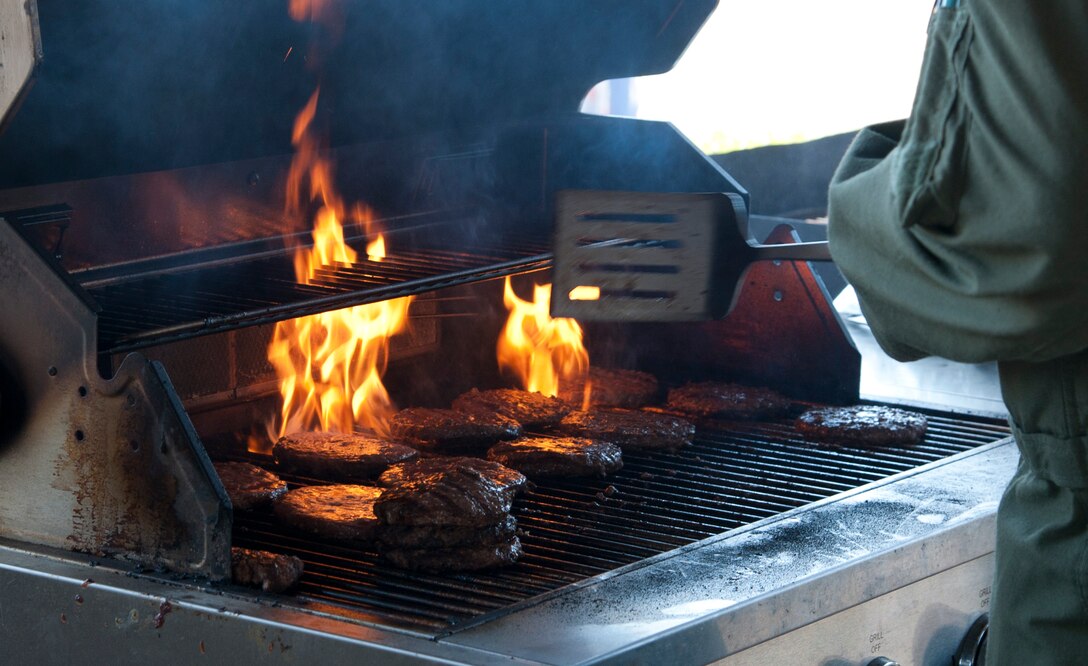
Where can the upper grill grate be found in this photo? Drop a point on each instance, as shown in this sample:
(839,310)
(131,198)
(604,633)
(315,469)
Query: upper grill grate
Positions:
(175,298)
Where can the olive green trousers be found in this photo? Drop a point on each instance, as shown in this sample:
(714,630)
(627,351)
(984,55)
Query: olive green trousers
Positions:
(1040,604)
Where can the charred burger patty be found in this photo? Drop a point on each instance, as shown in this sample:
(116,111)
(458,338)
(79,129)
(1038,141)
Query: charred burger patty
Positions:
(344,512)
(862,425)
(449,429)
(530,409)
(558,456)
(629,429)
(338,456)
(249,486)
(728,401)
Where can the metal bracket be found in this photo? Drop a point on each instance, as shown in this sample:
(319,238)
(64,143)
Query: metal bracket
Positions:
(105,466)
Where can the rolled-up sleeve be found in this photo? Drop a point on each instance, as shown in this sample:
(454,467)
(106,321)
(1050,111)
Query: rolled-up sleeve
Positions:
(965,232)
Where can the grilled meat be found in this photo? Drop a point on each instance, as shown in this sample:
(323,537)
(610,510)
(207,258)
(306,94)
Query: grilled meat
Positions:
(451,430)
(444,536)
(629,429)
(530,409)
(460,496)
(249,486)
(862,425)
(339,456)
(468,558)
(272,572)
(538,457)
(344,512)
(611,387)
(728,401)
(421,467)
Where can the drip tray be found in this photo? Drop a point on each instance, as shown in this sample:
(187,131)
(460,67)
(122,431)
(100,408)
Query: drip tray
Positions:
(733,475)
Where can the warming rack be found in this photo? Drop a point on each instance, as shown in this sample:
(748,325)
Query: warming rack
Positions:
(166,299)
(733,475)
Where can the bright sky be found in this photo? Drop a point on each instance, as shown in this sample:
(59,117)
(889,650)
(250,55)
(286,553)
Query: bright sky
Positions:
(782,71)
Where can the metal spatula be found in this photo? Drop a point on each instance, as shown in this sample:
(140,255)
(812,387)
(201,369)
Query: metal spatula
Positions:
(636,256)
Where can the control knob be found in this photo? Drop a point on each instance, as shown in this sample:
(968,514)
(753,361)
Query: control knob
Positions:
(972,649)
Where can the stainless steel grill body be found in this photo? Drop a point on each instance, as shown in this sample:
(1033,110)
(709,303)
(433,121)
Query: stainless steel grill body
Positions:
(698,603)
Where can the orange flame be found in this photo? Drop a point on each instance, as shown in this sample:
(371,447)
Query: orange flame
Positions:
(540,350)
(317,11)
(330,364)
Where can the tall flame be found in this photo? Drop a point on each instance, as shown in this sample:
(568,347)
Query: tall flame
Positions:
(330,364)
(539,350)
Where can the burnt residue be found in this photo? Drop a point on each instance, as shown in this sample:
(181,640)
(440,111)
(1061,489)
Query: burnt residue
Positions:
(164,609)
(129,501)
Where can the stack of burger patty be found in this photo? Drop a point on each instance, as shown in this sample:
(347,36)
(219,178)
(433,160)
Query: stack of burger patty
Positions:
(448,514)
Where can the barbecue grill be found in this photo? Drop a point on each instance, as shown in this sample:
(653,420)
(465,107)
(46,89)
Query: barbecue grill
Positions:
(145,255)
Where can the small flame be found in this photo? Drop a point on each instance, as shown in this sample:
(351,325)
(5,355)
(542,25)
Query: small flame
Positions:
(375,251)
(330,364)
(584,293)
(540,350)
(587,395)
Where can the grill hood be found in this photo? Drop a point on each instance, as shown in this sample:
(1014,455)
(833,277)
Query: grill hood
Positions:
(129,87)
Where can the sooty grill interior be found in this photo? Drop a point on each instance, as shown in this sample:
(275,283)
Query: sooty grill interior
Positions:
(734,474)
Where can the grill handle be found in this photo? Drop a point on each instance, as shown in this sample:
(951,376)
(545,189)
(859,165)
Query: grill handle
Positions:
(810,251)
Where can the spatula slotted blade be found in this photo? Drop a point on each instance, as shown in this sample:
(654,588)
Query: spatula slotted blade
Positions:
(631,256)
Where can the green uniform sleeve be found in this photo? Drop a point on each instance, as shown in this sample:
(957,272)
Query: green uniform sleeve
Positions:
(965,231)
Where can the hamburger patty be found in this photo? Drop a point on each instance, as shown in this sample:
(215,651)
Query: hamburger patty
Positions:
(414,470)
(862,425)
(629,429)
(468,558)
(339,456)
(728,401)
(272,572)
(444,536)
(450,429)
(538,457)
(344,512)
(530,409)
(249,486)
(462,496)
(611,387)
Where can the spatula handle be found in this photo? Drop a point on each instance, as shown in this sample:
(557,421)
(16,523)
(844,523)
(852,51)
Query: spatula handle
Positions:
(811,251)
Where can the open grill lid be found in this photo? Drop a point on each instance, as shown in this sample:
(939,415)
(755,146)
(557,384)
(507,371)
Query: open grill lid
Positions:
(20,53)
(130,87)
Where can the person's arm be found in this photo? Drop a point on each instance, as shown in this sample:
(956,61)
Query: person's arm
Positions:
(967,236)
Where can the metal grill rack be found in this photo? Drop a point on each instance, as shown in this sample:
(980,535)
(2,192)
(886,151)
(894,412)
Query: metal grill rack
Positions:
(572,530)
(176,298)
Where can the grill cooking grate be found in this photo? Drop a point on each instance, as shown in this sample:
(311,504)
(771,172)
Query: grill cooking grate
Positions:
(175,298)
(731,476)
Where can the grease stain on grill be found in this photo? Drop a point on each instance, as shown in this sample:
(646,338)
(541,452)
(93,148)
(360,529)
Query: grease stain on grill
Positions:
(164,609)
